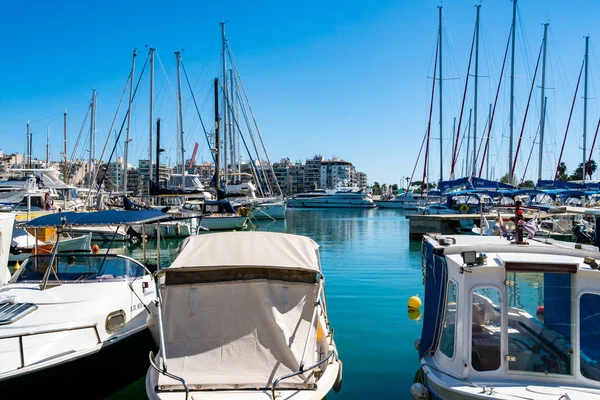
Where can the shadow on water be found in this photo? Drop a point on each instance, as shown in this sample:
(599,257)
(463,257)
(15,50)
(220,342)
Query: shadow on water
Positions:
(371,269)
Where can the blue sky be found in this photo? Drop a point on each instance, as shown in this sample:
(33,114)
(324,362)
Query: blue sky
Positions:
(340,78)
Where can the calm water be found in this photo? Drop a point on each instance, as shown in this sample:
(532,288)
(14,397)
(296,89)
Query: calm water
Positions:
(371,269)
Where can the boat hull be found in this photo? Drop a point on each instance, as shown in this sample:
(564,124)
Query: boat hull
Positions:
(123,361)
(215,223)
(322,203)
(269,211)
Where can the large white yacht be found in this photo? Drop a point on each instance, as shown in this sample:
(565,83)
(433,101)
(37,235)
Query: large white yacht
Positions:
(509,319)
(344,197)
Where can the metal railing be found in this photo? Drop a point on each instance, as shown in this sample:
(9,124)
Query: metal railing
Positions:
(48,331)
(331,352)
(169,375)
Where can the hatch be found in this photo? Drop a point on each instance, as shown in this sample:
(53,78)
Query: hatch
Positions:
(11,312)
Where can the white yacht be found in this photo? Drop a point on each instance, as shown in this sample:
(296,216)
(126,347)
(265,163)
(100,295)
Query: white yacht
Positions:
(405,201)
(509,319)
(245,324)
(337,198)
(63,313)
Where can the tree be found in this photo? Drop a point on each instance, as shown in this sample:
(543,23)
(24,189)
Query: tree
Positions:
(384,188)
(376,188)
(394,188)
(562,172)
(528,184)
(590,168)
(505,179)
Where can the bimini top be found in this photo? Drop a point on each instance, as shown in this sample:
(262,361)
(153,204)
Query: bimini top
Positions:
(108,217)
(248,249)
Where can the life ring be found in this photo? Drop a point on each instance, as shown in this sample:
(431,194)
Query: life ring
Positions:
(464,209)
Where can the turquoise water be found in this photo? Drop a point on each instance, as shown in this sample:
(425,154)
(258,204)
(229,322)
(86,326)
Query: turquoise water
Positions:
(371,270)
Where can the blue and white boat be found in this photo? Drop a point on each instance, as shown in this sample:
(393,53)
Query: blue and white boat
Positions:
(509,319)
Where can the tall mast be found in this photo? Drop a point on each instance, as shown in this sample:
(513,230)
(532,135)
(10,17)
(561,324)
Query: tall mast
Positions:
(543,102)
(217,142)
(28,153)
(478,7)
(157,168)
(225,98)
(512,93)
(585,99)
(47,146)
(441,93)
(151,124)
(468,142)
(65,169)
(232,118)
(92,139)
(179,105)
(453,135)
(487,160)
(126,149)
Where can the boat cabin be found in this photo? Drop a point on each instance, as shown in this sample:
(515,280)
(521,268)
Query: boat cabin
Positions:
(501,314)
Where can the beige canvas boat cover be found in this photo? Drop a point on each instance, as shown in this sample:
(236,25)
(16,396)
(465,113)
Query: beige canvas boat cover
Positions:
(248,249)
(238,335)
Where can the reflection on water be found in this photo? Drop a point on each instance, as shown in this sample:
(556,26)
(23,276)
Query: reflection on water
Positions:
(371,270)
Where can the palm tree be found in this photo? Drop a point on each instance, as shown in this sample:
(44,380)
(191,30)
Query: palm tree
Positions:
(376,188)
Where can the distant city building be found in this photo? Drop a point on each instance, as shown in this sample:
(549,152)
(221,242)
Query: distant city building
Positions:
(312,173)
(114,175)
(337,172)
(133,181)
(361,179)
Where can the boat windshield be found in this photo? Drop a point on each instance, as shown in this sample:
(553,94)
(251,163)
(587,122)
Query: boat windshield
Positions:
(79,268)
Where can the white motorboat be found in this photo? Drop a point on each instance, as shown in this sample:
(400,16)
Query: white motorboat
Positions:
(215,214)
(245,324)
(338,198)
(24,244)
(268,209)
(6,228)
(509,319)
(406,201)
(63,313)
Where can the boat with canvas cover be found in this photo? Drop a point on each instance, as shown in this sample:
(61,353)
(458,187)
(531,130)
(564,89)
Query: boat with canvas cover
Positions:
(245,324)
(509,318)
(65,314)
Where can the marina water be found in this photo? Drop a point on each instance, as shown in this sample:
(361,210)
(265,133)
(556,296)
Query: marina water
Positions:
(371,270)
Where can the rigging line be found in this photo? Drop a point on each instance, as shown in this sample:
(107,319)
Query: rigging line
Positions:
(122,124)
(487,122)
(533,145)
(487,142)
(241,85)
(77,142)
(589,161)
(437,47)
(416,163)
(197,109)
(512,172)
(45,118)
(166,76)
(462,108)
(569,121)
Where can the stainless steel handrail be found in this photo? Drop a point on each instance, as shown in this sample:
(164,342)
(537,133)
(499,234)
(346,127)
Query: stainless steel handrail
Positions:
(168,375)
(312,321)
(48,331)
(331,352)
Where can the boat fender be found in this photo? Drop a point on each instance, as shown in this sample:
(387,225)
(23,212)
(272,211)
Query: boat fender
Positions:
(418,391)
(464,209)
(178,229)
(418,344)
(337,385)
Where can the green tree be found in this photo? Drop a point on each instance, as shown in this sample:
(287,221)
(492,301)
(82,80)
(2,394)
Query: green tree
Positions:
(528,184)
(384,188)
(505,178)
(376,188)
(590,168)
(394,188)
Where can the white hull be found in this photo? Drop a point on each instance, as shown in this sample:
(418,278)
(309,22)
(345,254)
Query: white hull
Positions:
(269,211)
(328,203)
(104,233)
(80,243)
(217,222)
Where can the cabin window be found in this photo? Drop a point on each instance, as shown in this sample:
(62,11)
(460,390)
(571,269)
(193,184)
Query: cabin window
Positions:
(486,331)
(589,335)
(449,331)
(539,322)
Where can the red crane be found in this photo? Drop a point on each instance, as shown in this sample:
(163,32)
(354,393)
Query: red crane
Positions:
(193,157)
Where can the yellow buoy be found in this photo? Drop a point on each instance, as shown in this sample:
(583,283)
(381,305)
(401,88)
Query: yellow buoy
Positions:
(17,266)
(414,302)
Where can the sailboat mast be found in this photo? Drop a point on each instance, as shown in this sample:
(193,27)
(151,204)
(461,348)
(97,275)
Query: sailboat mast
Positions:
(543,102)
(92,140)
(454,136)
(476,80)
(28,153)
(487,160)
(157,168)
(65,169)
(126,149)
(512,93)
(47,146)
(151,124)
(225,98)
(232,118)
(585,99)
(468,142)
(217,141)
(178,57)
(441,94)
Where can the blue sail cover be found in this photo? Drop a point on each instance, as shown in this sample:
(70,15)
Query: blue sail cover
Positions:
(546,184)
(98,218)
(444,186)
(479,183)
(436,282)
